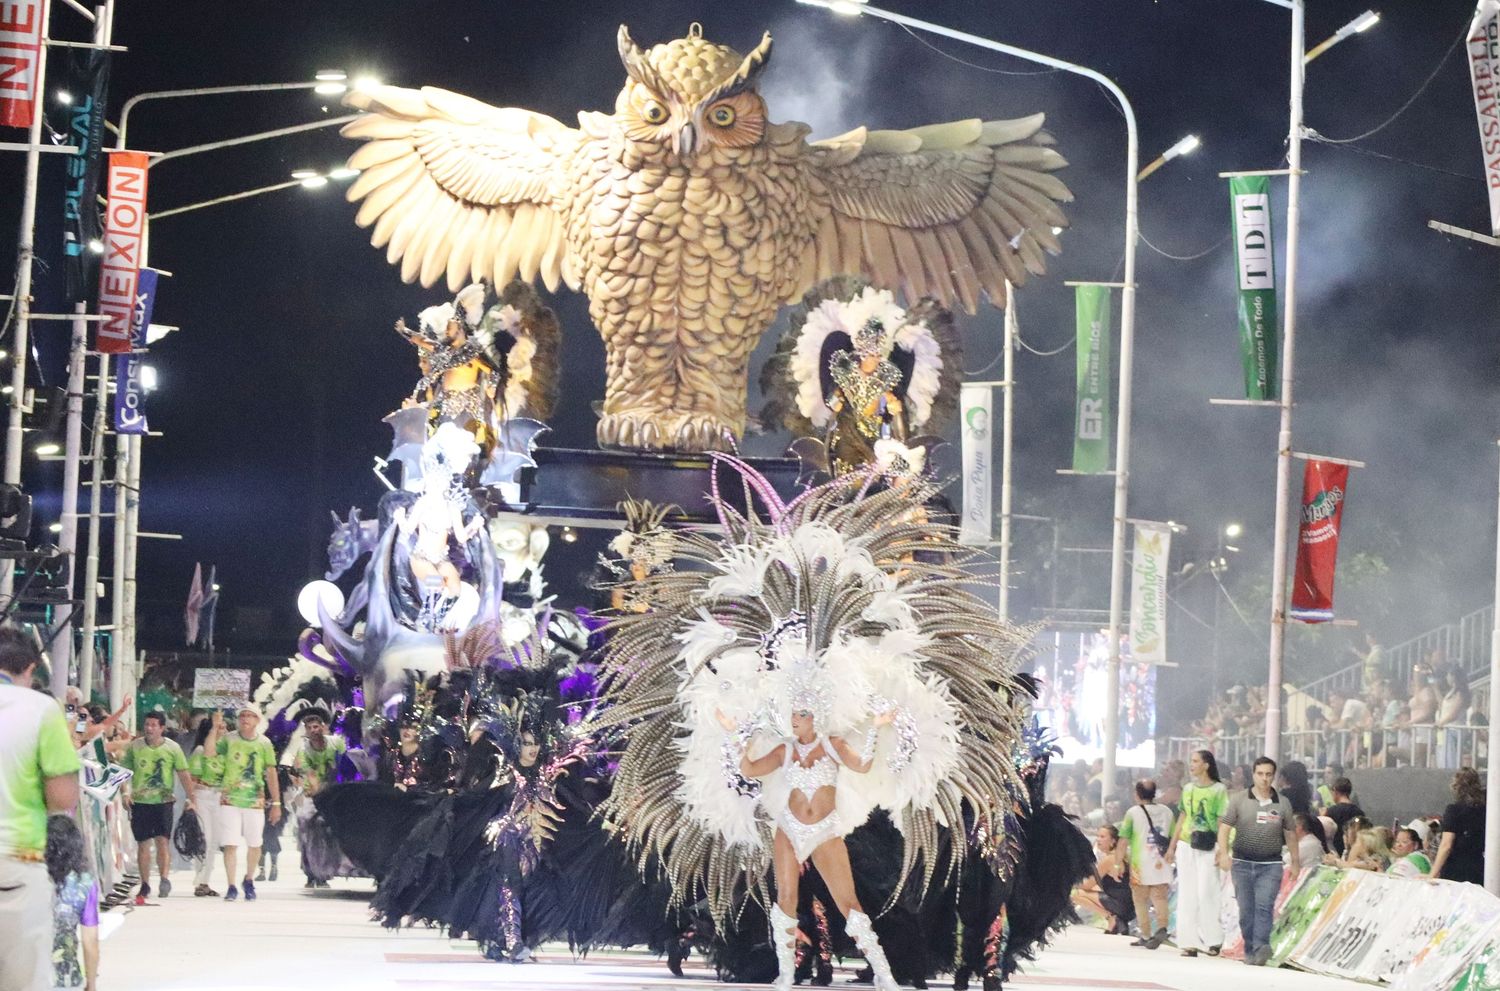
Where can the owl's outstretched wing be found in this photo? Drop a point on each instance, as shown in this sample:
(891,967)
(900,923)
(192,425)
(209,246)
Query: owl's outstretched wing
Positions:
(948,210)
(457,186)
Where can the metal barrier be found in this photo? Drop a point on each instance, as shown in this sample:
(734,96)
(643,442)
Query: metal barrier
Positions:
(1448,747)
(1465,644)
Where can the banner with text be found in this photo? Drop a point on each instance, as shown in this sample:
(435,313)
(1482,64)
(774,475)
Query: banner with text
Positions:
(1484,73)
(124,242)
(20,54)
(221,688)
(1091,417)
(130,390)
(1148,592)
(974,401)
(1323,487)
(81,222)
(1250,198)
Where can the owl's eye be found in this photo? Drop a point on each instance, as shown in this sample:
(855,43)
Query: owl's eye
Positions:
(722,116)
(654,113)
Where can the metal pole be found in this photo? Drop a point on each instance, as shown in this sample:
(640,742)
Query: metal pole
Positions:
(67,541)
(117,597)
(1284,434)
(91,561)
(132,543)
(1007,435)
(1492,770)
(25,246)
(1127,338)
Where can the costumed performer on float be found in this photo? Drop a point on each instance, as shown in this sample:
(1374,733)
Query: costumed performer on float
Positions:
(796,673)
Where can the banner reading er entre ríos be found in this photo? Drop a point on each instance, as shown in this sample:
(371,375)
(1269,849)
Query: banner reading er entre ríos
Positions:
(1250,197)
(1091,421)
(1324,485)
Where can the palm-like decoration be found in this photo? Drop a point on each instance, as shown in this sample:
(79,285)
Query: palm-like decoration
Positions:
(688,218)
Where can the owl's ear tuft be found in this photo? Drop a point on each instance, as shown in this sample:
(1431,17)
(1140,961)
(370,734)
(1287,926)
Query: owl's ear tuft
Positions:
(746,76)
(636,66)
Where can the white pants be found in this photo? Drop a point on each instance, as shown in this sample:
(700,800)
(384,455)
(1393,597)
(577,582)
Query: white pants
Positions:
(25,926)
(1198,924)
(207,801)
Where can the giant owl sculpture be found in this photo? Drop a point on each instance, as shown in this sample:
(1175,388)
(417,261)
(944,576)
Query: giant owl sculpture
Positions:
(688,218)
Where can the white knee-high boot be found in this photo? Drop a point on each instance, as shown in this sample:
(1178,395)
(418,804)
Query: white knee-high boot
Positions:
(862,931)
(784,932)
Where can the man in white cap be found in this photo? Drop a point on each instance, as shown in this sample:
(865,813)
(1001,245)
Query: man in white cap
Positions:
(249,773)
(1407,856)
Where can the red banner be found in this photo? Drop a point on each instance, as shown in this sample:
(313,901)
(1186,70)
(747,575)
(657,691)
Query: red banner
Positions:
(20,52)
(1323,489)
(124,243)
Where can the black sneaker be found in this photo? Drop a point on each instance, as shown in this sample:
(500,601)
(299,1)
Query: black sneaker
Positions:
(249,890)
(143,894)
(165,888)
(1189,953)
(231,894)
(1213,951)
(1156,940)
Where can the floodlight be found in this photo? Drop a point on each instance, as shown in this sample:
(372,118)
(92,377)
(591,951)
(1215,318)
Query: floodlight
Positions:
(64,97)
(305,174)
(1233,530)
(47,448)
(314,181)
(343,173)
(1186,146)
(148,378)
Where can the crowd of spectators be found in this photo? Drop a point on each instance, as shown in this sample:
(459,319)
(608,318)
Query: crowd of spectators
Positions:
(1192,822)
(1429,717)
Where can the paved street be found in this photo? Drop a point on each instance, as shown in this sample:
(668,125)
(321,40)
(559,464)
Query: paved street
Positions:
(323,940)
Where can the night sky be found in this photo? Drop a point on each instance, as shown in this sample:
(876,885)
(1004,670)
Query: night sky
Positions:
(271,395)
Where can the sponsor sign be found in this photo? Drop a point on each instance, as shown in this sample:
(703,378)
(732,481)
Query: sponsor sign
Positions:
(1324,485)
(975,403)
(1091,416)
(1255,269)
(81,222)
(20,56)
(130,393)
(124,247)
(1148,593)
(1484,74)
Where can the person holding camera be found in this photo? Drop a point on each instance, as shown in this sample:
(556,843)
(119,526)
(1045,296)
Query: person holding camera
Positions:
(1204,800)
(1146,827)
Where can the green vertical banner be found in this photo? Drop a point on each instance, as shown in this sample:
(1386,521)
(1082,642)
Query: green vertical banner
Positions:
(1091,418)
(1250,199)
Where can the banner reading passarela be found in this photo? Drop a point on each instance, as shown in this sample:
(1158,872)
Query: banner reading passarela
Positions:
(974,402)
(1484,73)
(1091,418)
(1250,198)
(1148,593)
(1323,487)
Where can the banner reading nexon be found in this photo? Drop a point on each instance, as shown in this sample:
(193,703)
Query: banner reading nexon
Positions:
(1323,487)
(20,54)
(124,242)
(1148,593)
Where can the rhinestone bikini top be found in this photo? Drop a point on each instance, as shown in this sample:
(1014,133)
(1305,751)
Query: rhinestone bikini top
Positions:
(821,773)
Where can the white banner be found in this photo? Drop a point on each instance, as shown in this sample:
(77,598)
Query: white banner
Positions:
(1148,592)
(1484,72)
(977,526)
(221,688)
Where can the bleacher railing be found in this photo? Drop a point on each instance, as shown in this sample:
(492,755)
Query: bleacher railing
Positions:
(1449,747)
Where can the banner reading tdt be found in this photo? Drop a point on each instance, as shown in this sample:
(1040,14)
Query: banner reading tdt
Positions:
(1484,74)
(130,390)
(20,53)
(1091,417)
(1250,198)
(1148,593)
(1323,487)
(124,241)
(976,527)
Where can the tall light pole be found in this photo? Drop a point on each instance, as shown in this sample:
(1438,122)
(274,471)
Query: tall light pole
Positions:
(128,448)
(1127,329)
(1281,535)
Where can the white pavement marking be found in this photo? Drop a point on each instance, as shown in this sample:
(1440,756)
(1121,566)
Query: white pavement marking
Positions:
(291,938)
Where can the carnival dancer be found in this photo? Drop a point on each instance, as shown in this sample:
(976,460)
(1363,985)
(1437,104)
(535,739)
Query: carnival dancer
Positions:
(797,673)
(315,765)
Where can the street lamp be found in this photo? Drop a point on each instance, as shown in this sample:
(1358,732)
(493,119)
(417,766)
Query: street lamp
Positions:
(1359,25)
(1186,146)
(1233,530)
(1127,332)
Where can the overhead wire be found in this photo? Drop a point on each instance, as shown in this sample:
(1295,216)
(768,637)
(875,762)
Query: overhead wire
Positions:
(975,65)
(1187,258)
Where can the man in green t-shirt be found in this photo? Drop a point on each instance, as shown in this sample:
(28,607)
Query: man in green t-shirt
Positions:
(315,763)
(249,772)
(38,775)
(152,760)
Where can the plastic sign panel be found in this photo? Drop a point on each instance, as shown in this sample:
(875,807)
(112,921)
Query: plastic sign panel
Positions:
(1148,593)
(1324,485)
(1484,73)
(130,390)
(1091,417)
(977,527)
(1250,198)
(20,56)
(221,688)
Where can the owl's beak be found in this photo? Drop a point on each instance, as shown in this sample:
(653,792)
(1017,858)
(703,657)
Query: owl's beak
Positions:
(687,139)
